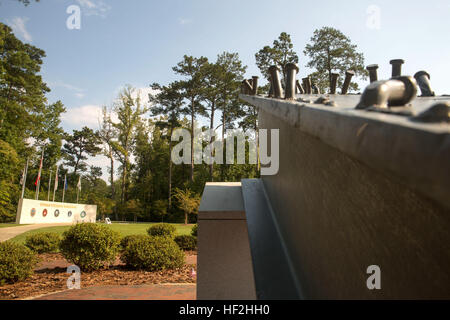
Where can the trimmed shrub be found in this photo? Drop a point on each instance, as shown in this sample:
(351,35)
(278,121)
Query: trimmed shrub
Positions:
(186,242)
(194,230)
(162,230)
(16,262)
(153,254)
(90,246)
(131,238)
(43,242)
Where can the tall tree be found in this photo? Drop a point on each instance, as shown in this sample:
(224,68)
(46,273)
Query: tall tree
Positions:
(280,54)
(231,74)
(213,85)
(79,145)
(193,85)
(168,101)
(129,111)
(108,135)
(330,50)
(22,91)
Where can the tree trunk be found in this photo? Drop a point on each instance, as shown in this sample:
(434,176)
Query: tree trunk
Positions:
(222,167)
(185,218)
(170,168)
(113,189)
(211,140)
(192,138)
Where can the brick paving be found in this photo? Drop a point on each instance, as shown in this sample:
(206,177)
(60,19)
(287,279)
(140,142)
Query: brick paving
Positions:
(139,292)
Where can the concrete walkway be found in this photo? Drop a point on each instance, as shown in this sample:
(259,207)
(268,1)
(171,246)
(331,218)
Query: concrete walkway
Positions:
(169,291)
(11,232)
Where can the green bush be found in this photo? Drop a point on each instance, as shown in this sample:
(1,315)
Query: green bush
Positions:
(194,230)
(153,254)
(131,238)
(43,242)
(162,230)
(90,246)
(186,242)
(16,262)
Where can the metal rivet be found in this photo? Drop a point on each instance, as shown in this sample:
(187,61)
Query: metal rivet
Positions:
(307,85)
(334,78)
(423,80)
(299,87)
(254,85)
(348,78)
(291,70)
(274,72)
(315,89)
(373,75)
(397,67)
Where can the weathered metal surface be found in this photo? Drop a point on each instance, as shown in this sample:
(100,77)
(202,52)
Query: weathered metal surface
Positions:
(397,67)
(358,188)
(291,72)
(421,155)
(334,78)
(395,92)
(373,74)
(423,80)
(348,78)
(274,72)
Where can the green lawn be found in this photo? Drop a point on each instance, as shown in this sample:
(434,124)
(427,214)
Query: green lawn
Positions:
(123,228)
(7,225)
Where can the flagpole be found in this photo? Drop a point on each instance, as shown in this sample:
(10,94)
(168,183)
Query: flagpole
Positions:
(49,185)
(78,187)
(64,188)
(38,184)
(56,183)
(24,179)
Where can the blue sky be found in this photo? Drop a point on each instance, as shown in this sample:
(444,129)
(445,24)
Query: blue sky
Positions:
(138,42)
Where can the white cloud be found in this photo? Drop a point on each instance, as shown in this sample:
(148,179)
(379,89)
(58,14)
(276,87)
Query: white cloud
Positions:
(94,7)
(184,21)
(87,115)
(78,92)
(18,26)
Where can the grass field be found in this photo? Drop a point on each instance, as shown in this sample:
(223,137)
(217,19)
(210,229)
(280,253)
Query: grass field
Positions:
(7,225)
(123,228)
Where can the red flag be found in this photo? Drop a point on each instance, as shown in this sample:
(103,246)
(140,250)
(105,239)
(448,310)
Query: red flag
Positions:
(40,169)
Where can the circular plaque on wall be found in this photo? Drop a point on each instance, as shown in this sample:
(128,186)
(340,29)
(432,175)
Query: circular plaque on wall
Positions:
(44,213)
(56,212)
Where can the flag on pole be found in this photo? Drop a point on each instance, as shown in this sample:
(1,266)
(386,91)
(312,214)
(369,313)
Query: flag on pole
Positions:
(79,183)
(38,179)
(78,187)
(56,182)
(23,181)
(22,178)
(40,169)
(65,187)
(56,178)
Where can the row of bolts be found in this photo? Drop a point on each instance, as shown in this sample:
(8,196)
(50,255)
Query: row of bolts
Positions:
(293,86)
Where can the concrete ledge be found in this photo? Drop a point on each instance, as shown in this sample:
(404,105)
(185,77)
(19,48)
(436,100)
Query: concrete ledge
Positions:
(416,154)
(224,264)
